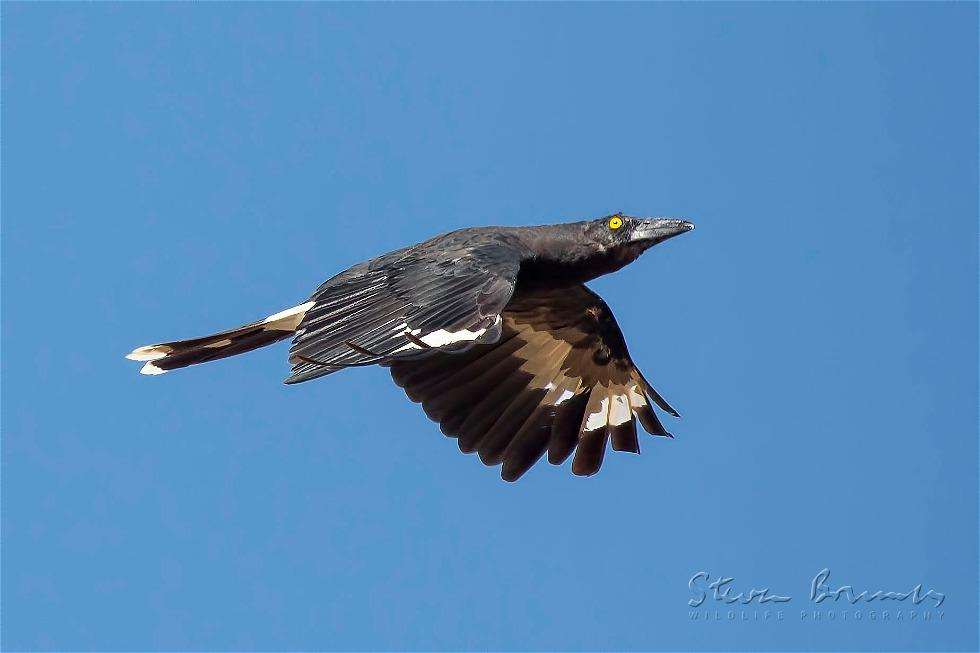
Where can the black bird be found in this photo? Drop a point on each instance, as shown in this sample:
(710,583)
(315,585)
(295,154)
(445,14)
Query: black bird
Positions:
(491,329)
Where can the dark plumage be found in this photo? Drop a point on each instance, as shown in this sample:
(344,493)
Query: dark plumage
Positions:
(491,329)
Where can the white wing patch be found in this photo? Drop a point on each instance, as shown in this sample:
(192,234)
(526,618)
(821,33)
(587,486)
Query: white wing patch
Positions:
(614,409)
(598,419)
(442,337)
(565,396)
(619,410)
(635,398)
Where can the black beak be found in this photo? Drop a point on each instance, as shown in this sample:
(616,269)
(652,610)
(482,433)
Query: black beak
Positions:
(651,231)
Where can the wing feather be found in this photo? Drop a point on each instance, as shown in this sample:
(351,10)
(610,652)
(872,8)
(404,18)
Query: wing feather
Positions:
(558,380)
(446,293)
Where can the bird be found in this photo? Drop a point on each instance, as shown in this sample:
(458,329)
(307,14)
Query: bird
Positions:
(491,329)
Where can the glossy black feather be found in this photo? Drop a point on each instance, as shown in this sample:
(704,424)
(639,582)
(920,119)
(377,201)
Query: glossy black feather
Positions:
(565,428)
(529,444)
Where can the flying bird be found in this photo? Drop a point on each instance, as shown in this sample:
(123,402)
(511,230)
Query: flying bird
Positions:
(491,329)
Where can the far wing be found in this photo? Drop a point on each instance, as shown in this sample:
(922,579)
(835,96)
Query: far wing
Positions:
(559,379)
(446,294)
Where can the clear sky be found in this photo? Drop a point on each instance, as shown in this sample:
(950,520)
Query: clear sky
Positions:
(170,170)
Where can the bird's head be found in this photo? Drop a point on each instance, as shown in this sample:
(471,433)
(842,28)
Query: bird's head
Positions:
(624,233)
(609,243)
(579,251)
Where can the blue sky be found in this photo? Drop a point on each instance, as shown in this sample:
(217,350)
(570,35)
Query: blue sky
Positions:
(173,169)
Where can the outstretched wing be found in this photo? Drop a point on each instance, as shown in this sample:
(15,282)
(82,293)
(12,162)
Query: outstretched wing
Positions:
(559,379)
(445,294)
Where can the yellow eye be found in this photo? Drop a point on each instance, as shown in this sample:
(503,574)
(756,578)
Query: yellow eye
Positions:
(615,222)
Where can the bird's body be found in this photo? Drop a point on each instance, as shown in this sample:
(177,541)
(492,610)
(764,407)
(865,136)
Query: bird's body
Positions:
(491,329)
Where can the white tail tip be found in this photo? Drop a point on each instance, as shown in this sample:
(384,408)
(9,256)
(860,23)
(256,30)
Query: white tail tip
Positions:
(151,369)
(149,353)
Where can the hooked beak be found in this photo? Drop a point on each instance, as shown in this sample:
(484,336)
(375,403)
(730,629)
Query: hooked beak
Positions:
(651,231)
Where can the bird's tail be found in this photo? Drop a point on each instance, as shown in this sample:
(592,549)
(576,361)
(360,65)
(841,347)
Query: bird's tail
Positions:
(167,356)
